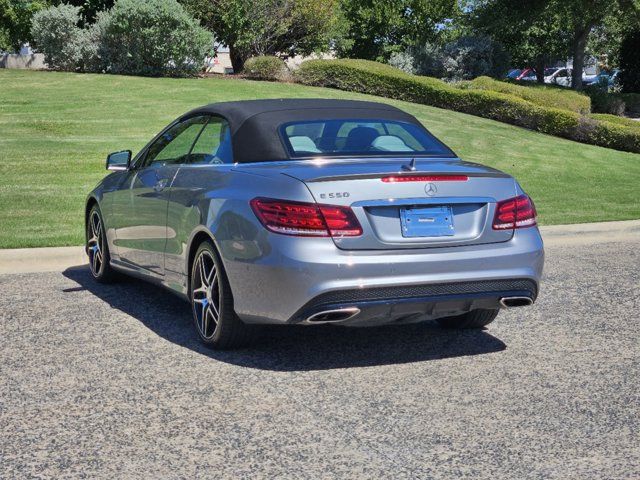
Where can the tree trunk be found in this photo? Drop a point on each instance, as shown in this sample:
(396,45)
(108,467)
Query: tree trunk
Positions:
(540,64)
(237,59)
(579,44)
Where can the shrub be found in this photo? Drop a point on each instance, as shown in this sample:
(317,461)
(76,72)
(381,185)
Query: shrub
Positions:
(152,37)
(91,59)
(403,61)
(630,63)
(56,33)
(470,57)
(631,100)
(428,59)
(604,102)
(266,67)
(544,95)
(383,80)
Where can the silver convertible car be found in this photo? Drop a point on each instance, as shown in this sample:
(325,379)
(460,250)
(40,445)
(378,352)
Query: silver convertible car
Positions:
(314,211)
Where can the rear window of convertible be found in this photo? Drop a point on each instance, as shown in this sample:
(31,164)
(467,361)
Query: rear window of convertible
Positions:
(360,137)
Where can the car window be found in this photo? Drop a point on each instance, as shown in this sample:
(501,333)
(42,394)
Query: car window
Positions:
(213,146)
(174,145)
(359,137)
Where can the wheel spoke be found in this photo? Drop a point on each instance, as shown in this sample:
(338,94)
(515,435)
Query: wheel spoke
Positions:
(203,318)
(94,262)
(203,273)
(95,224)
(214,312)
(212,275)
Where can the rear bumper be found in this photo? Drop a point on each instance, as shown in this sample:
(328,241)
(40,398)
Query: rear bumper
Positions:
(377,306)
(302,276)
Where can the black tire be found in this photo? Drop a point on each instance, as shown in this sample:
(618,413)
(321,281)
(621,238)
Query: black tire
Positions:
(469,320)
(209,294)
(97,248)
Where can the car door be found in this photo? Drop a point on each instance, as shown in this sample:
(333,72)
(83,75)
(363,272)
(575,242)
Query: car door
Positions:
(192,193)
(563,77)
(141,203)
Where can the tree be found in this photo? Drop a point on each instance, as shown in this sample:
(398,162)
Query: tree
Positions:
(89,9)
(266,27)
(15,22)
(605,40)
(630,63)
(581,17)
(375,29)
(547,20)
(16,16)
(531,31)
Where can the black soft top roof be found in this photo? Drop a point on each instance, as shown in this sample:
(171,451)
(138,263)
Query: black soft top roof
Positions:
(254,124)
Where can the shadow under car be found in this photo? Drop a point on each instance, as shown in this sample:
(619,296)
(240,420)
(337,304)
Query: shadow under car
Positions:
(290,347)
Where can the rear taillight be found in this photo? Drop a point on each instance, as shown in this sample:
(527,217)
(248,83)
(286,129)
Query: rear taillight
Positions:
(306,219)
(425,178)
(517,212)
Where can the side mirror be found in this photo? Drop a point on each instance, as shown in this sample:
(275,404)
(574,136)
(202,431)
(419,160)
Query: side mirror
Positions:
(119,160)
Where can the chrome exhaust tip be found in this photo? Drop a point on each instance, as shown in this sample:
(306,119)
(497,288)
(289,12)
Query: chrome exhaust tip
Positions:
(511,302)
(333,316)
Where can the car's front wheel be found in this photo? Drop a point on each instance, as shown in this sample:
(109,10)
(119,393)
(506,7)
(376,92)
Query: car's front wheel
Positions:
(212,303)
(97,248)
(473,319)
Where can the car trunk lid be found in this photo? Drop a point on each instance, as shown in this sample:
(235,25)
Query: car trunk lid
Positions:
(441,203)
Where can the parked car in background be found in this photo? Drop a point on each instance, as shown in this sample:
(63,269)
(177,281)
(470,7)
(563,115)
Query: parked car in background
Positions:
(527,75)
(514,73)
(314,211)
(559,76)
(604,78)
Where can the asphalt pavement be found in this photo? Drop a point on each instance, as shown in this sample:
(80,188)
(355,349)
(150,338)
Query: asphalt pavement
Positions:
(111,382)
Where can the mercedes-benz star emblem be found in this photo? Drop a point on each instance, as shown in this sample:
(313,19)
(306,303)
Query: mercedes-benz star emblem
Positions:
(430,189)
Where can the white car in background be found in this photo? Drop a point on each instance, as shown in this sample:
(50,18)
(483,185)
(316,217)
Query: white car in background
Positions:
(561,76)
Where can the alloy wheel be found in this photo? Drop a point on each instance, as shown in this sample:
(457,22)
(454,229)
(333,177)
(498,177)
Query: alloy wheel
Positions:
(95,248)
(206,294)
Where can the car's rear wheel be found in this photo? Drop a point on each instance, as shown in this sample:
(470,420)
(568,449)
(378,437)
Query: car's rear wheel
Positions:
(212,303)
(473,319)
(97,248)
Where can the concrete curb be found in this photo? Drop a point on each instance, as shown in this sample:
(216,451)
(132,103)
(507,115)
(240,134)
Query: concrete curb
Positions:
(58,259)
(585,233)
(47,259)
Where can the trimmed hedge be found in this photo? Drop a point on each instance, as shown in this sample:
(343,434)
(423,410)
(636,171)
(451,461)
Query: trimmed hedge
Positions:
(627,122)
(543,95)
(383,80)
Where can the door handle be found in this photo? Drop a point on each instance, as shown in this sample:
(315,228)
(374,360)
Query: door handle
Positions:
(161,184)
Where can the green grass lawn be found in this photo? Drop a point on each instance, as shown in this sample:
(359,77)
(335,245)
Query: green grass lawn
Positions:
(56,129)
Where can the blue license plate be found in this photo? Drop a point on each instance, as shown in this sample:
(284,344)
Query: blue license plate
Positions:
(427,221)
